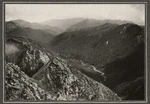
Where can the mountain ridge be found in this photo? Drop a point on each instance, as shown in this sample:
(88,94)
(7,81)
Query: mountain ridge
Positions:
(94,23)
(34,25)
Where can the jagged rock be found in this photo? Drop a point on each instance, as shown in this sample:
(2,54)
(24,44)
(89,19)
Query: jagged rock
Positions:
(19,86)
(60,83)
(30,59)
(71,84)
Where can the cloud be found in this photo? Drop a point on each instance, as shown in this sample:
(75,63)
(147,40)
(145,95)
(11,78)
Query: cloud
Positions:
(42,12)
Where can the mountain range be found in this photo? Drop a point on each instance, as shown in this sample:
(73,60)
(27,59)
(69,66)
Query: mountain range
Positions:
(104,58)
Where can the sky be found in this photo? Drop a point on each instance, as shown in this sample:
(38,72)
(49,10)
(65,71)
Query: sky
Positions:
(43,12)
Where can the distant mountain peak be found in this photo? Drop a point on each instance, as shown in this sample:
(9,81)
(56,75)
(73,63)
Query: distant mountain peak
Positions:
(62,23)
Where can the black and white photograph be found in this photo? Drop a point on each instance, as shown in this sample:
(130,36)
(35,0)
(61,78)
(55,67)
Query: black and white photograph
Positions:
(74,52)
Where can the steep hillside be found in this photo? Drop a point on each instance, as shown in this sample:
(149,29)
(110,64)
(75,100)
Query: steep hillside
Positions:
(125,76)
(38,75)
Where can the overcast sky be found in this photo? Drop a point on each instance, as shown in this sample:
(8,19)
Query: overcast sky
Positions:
(43,12)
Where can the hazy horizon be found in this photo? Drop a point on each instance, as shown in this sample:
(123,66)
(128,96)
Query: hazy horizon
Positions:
(63,19)
(43,12)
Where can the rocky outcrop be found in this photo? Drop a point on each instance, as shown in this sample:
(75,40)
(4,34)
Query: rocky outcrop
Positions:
(29,58)
(70,84)
(18,86)
(57,82)
(32,61)
(55,79)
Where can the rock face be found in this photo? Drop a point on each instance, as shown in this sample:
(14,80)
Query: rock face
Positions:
(18,86)
(29,58)
(54,80)
(32,60)
(71,84)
